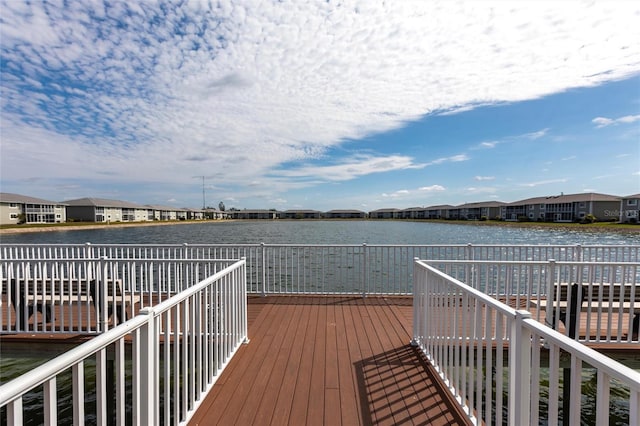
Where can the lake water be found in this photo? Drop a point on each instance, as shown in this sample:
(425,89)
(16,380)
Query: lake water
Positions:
(326,232)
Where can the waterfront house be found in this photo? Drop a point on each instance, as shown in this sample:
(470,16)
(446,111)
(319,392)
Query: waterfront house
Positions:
(562,208)
(385,214)
(16,209)
(476,211)
(345,214)
(215,214)
(254,214)
(105,210)
(300,214)
(629,209)
(413,213)
(438,212)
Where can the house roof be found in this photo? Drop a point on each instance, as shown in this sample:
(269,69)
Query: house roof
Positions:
(390,210)
(345,211)
(7,197)
(569,198)
(632,196)
(480,204)
(441,207)
(102,202)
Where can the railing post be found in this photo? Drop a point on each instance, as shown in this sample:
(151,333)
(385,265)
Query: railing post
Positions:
(415,338)
(551,272)
(14,412)
(146,370)
(264,269)
(365,254)
(102,284)
(520,371)
(578,255)
(469,252)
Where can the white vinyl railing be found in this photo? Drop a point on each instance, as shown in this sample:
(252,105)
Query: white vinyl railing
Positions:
(324,269)
(163,362)
(604,306)
(90,295)
(502,366)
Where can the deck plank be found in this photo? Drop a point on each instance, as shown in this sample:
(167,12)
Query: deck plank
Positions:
(327,361)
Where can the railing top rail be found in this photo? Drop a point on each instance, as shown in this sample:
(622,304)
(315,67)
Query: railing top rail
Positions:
(121,259)
(178,245)
(13,389)
(487,262)
(596,359)
(529,262)
(501,307)
(185,294)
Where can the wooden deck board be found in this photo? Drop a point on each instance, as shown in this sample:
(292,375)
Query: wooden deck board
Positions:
(328,361)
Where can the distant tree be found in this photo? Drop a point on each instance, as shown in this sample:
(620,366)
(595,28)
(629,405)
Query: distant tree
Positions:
(221,206)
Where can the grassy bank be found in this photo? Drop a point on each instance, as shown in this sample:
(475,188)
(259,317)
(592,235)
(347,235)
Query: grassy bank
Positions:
(597,226)
(78,226)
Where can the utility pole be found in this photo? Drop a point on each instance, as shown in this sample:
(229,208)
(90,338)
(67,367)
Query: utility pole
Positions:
(204,204)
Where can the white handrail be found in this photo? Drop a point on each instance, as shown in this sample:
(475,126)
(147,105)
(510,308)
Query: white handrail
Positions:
(197,314)
(463,331)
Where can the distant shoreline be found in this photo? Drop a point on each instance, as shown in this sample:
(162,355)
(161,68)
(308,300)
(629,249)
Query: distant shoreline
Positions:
(595,227)
(89,226)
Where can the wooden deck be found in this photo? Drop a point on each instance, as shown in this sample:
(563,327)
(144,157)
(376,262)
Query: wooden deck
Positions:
(328,361)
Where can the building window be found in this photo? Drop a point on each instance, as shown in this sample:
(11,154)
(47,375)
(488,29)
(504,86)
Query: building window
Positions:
(582,205)
(531,207)
(13,205)
(543,206)
(14,215)
(633,202)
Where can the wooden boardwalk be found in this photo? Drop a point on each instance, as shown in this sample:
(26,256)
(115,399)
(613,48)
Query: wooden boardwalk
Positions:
(325,360)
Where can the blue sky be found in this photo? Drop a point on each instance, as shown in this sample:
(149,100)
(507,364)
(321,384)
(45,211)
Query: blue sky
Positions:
(319,105)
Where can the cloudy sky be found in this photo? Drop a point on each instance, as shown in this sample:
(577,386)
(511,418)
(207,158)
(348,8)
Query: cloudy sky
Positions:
(319,104)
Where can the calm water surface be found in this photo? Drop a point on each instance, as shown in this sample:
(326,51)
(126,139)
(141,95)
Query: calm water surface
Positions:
(325,232)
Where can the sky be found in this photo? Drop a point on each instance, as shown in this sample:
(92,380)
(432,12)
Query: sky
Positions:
(319,104)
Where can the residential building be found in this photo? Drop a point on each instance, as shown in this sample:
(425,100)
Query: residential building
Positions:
(16,209)
(385,214)
(629,209)
(215,214)
(476,211)
(300,214)
(413,213)
(562,208)
(439,212)
(345,214)
(105,210)
(254,214)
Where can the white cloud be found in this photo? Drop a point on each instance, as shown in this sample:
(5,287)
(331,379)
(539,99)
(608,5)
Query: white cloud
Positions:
(536,135)
(491,144)
(453,159)
(604,122)
(482,178)
(352,167)
(543,182)
(432,188)
(248,91)
(400,193)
